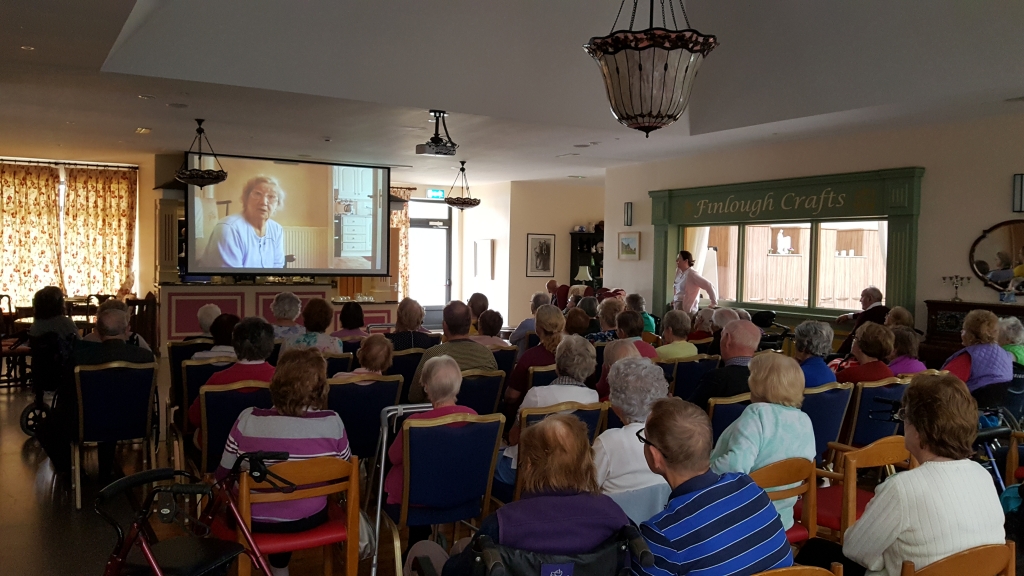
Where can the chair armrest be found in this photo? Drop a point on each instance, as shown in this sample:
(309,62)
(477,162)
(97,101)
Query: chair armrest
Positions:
(828,474)
(839,447)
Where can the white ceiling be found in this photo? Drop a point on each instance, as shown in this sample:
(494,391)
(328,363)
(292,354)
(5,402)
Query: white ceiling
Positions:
(278,78)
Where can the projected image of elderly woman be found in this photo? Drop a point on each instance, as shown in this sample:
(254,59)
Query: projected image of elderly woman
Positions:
(250,239)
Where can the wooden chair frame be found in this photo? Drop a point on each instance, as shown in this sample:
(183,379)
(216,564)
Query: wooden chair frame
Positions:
(990,560)
(357,378)
(718,401)
(532,371)
(172,403)
(204,426)
(184,376)
(311,478)
(793,471)
(1013,457)
(855,400)
(489,374)
(340,355)
(149,451)
(837,570)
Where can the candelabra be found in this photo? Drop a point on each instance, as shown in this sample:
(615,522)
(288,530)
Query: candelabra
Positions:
(956,281)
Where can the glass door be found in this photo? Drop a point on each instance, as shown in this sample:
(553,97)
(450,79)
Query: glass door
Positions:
(430,263)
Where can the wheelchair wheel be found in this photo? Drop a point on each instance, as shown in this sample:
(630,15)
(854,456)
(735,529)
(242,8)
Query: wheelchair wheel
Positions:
(31,417)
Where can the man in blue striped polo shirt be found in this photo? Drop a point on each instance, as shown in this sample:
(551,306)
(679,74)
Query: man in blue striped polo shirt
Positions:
(714,524)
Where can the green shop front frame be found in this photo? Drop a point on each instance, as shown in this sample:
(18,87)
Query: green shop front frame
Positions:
(892,195)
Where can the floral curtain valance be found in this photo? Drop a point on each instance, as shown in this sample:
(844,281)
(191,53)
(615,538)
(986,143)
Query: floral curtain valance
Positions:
(400,220)
(29,230)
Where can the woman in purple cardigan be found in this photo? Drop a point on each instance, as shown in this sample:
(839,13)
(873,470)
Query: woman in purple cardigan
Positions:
(982,361)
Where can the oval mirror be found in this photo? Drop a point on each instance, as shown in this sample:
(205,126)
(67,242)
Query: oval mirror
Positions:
(997,256)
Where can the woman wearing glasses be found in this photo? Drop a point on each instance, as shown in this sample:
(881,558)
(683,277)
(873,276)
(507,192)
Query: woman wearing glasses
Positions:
(250,239)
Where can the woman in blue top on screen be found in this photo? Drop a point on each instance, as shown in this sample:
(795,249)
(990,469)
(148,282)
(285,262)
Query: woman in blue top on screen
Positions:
(250,239)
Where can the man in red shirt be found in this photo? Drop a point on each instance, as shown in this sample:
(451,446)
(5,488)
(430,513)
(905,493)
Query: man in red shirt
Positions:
(253,341)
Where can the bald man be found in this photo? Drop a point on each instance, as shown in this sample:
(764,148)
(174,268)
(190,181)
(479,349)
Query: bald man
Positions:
(739,343)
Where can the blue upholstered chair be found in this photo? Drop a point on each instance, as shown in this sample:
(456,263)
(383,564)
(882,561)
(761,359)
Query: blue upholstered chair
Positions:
(449,465)
(826,406)
(541,376)
(338,363)
(220,406)
(404,363)
(725,411)
(481,390)
(351,345)
(194,374)
(115,403)
(689,372)
(532,340)
(593,415)
(272,359)
(178,352)
(505,356)
(669,367)
(359,406)
(869,417)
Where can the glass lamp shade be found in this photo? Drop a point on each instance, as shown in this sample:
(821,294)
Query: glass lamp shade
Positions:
(583,275)
(649,74)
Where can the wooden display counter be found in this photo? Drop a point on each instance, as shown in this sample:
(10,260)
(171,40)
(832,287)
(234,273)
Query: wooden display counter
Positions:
(181,302)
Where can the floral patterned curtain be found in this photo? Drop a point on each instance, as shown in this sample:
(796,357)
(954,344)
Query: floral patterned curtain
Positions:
(29,230)
(400,220)
(99,231)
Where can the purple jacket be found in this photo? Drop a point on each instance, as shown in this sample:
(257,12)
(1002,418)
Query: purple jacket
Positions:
(906,365)
(559,522)
(990,364)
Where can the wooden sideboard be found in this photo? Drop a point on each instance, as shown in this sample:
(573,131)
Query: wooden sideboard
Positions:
(946,319)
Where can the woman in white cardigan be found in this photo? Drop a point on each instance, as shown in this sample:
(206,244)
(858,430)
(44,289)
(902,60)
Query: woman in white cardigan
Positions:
(946,505)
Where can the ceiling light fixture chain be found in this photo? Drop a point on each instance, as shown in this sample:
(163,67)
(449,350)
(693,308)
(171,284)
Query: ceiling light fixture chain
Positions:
(199,176)
(466,200)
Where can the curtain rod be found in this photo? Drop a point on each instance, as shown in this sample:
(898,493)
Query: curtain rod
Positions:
(59,163)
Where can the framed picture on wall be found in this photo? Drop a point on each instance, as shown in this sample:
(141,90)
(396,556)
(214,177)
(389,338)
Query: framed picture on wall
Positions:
(540,255)
(629,245)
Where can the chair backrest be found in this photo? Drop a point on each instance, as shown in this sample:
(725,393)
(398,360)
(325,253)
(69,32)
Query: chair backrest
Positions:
(669,368)
(689,372)
(651,338)
(611,558)
(562,296)
(178,352)
(272,359)
(1015,394)
(338,362)
(404,364)
(593,415)
(448,465)
(837,570)
(725,411)
(787,473)
(351,345)
(993,396)
(481,390)
(532,339)
(359,407)
(643,503)
(541,376)
(826,406)
(703,345)
(990,560)
(115,401)
(867,429)
(888,451)
(195,373)
(220,406)
(142,319)
(505,357)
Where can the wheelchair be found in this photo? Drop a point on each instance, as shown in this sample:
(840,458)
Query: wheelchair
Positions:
(765,320)
(613,558)
(52,370)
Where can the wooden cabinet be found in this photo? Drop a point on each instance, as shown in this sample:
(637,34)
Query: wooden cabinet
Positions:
(946,319)
(584,253)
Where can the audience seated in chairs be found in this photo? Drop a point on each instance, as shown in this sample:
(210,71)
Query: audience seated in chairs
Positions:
(352,322)
(630,327)
(518,337)
(317,317)
(134,339)
(577,322)
(562,510)
(56,432)
(252,342)
(675,327)
(899,316)
(607,312)
(636,303)
(740,340)
(871,347)
(488,327)
(409,332)
(223,343)
(721,318)
(945,505)
(442,380)
(772,428)
(285,308)
(613,353)
(477,305)
(575,360)
(298,424)
(549,326)
(703,325)
(714,523)
(589,305)
(982,361)
(206,314)
(374,356)
(456,320)
(873,311)
(812,344)
(48,315)
(621,466)
(1011,337)
(903,359)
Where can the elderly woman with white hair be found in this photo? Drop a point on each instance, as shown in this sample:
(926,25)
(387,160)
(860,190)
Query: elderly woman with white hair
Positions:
(206,314)
(813,343)
(250,239)
(703,326)
(1011,337)
(621,466)
(285,308)
(575,360)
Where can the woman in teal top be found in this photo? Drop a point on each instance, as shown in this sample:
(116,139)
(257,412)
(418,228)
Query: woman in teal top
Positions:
(1011,337)
(772,428)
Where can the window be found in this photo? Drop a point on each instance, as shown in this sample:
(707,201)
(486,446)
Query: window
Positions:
(851,257)
(776,264)
(715,250)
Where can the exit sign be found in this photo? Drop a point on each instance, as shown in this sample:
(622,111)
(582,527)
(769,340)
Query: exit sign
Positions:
(435,194)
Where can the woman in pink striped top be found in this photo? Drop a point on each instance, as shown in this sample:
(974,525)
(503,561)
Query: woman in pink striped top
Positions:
(299,424)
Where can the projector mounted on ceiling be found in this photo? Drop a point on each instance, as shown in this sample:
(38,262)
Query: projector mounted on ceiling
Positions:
(438,146)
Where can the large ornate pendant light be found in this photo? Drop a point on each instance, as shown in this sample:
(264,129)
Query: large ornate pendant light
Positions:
(649,73)
(465,200)
(199,176)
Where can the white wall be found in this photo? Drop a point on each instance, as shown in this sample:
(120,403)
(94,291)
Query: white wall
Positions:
(490,221)
(967,187)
